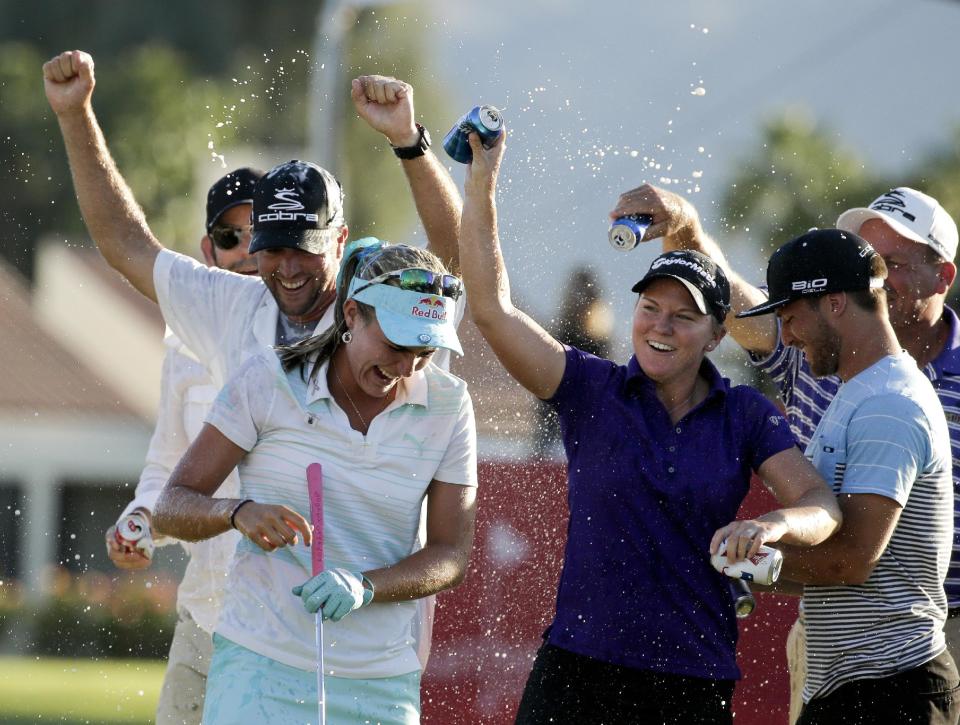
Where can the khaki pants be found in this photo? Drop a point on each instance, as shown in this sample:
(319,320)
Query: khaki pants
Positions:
(952,632)
(797,666)
(185,682)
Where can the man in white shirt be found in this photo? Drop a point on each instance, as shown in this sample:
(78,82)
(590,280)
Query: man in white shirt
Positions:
(185,398)
(225,318)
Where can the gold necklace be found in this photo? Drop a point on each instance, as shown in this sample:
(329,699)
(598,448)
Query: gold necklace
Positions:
(344,389)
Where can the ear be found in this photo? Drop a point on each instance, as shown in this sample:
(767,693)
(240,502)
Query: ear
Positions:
(209,254)
(351,314)
(342,240)
(720,332)
(836,302)
(947,274)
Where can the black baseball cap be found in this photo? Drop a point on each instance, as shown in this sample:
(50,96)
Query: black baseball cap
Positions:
(229,191)
(703,278)
(818,262)
(295,205)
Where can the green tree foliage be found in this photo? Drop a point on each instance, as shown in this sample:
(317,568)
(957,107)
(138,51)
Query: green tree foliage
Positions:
(179,85)
(800,177)
(149,107)
(803,177)
(386,41)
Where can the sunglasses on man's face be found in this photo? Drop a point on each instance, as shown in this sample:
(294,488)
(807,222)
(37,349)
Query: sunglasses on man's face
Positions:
(424,281)
(227,236)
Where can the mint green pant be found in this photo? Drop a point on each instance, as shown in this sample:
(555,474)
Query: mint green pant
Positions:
(245,687)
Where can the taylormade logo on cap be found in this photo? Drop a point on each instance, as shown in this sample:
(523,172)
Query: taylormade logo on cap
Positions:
(671,261)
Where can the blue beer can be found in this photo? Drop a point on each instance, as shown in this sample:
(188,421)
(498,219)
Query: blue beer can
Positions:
(627,231)
(487,121)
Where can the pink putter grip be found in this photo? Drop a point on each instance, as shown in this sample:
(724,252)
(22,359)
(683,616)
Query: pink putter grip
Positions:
(315,492)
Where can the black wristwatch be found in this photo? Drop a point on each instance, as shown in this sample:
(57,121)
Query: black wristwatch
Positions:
(418,149)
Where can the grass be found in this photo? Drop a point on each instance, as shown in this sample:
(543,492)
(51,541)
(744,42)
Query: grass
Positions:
(66,691)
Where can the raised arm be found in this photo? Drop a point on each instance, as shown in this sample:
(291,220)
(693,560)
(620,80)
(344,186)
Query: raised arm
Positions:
(112,215)
(187,509)
(676,221)
(527,351)
(386,104)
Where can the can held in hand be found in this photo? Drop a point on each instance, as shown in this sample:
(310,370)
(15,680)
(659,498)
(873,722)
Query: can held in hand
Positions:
(133,531)
(627,231)
(487,121)
(762,568)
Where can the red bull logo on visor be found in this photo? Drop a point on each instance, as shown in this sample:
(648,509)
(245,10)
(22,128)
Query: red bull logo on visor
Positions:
(434,308)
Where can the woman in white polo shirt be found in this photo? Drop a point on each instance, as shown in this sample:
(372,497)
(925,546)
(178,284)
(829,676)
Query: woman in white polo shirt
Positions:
(389,429)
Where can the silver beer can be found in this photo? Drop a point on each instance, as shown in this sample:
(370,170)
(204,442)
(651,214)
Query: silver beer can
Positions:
(761,568)
(627,231)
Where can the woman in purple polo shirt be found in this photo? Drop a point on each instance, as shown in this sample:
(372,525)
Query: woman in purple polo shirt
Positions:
(660,454)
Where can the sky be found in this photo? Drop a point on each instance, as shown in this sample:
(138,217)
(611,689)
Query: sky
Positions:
(600,97)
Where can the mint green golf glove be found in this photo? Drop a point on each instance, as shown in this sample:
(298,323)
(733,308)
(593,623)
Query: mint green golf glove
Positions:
(335,592)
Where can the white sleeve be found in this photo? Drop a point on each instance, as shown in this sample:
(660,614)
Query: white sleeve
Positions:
(169,441)
(459,464)
(242,408)
(197,301)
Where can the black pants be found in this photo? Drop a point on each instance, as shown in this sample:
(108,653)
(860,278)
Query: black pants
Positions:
(928,694)
(569,688)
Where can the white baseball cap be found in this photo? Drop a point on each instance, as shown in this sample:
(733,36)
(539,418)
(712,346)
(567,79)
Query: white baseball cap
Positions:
(911,214)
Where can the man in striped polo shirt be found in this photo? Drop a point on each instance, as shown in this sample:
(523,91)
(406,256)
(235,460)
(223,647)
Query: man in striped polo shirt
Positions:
(873,593)
(918,240)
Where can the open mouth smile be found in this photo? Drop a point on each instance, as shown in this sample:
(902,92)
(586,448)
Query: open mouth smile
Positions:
(292,286)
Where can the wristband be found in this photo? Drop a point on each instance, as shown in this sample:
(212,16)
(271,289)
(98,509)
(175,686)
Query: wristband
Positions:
(233,514)
(418,149)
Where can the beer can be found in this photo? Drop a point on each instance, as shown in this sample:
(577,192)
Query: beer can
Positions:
(487,121)
(133,531)
(743,600)
(627,231)
(762,568)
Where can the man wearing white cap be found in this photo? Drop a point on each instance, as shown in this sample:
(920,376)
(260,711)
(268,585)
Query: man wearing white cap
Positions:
(917,239)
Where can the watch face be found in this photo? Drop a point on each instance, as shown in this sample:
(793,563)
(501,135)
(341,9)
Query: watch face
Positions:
(425,138)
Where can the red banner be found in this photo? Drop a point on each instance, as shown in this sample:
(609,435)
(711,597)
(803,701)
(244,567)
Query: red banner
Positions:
(488,629)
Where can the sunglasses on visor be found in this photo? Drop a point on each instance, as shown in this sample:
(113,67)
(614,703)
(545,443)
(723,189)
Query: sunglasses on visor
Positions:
(226,236)
(424,281)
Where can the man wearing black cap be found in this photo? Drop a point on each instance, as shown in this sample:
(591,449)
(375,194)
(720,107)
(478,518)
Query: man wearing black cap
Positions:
(185,397)
(298,231)
(298,225)
(873,596)
(918,241)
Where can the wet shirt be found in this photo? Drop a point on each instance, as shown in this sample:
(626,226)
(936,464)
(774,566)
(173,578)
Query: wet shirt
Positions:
(645,497)
(373,488)
(806,399)
(884,435)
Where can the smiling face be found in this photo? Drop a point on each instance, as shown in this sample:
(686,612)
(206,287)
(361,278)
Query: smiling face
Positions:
(302,283)
(670,334)
(375,363)
(915,275)
(803,326)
